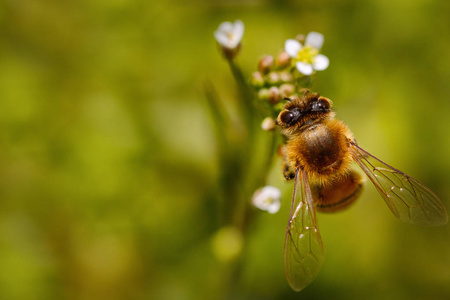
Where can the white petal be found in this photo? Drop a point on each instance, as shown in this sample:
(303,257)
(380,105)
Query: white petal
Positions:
(314,39)
(304,68)
(221,38)
(271,192)
(321,62)
(274,207)
(238,30)
(292,47)
(226,27)
(232,43)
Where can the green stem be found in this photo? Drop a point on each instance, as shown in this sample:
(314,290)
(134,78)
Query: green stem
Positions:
(246,94)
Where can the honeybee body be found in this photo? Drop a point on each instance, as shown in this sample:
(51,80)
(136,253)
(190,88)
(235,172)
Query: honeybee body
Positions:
(318,144)
(321,149)
(319,154)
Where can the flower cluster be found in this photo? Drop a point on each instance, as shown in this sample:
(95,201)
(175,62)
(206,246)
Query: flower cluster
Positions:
(274,79)
(260,99)
(287,74)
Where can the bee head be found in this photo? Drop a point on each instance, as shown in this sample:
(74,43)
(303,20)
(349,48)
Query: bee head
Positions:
(305,110)
(289,117)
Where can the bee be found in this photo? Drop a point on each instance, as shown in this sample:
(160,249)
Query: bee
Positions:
(319,155)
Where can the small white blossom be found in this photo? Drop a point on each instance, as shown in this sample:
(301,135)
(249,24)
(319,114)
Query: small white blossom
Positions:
(307,58)
(267,199)
(229,35)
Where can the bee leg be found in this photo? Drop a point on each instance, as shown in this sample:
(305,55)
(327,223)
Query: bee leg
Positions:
(288,171)
(339,194)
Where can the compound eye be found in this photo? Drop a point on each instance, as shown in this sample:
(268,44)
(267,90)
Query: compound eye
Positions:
(286,117)
(323,103)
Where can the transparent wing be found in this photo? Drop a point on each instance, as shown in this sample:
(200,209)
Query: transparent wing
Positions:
(303,248)
(408,199)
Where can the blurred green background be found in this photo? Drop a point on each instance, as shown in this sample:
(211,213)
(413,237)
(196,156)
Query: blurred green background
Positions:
(108,167)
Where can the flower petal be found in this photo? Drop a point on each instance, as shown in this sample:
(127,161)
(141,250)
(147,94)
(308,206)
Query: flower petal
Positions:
(304,68)
(292,47)
(274,207)
(221,38)
(321,62)
(238,30)
(232,43)
(314,39)
(271,192)
(225,27)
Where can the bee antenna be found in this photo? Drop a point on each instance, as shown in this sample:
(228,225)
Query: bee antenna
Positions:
(287,99)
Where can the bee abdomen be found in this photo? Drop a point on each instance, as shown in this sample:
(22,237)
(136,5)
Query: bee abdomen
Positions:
(339,194)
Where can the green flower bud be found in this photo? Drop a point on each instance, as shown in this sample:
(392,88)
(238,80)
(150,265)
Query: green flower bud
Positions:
(300,38)
(257,80)
(263,94)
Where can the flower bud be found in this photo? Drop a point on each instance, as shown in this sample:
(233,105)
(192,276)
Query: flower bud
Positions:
(263,94)
(265,64)
(286,76)
(300,38)
(273,78)
(268,124)
(274,95)
(257,80)
(283,59)
(287,90)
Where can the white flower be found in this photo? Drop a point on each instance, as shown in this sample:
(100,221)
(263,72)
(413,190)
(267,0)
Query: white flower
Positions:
(267,198)
(229,35)
(307,57)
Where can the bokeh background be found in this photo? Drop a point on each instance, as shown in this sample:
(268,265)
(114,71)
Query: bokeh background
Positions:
(108,161)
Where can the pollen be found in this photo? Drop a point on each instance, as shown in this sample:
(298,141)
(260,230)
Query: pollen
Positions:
(307,54)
